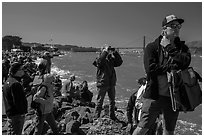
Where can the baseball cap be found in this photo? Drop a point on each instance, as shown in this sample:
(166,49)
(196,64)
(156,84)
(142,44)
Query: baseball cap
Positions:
(171,18)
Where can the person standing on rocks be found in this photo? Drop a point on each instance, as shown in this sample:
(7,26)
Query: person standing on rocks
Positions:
(106,78)
(161,57)
(45,97)
(45,65)
(134,105)
(15,100)
(48,57)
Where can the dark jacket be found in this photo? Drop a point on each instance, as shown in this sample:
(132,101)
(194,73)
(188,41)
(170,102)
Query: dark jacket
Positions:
(152,53)
(5,67)
(105,64)
(26,80)
(14,98)
(86,95)
(42,66)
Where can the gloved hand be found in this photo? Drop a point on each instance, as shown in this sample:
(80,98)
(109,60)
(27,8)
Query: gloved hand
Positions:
(129,128)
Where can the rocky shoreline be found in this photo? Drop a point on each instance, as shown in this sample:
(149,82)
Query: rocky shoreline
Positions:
(88,125)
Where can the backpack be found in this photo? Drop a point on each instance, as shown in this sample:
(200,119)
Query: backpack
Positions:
(35,105)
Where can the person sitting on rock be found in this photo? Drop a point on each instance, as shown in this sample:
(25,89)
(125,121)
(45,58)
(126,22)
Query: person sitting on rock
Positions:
(85,94)
(73,126)
(58,85)
(68,89)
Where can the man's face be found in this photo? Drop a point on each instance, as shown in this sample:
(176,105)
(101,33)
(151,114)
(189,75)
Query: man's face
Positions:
(20,72)
(172,29)
(72,78)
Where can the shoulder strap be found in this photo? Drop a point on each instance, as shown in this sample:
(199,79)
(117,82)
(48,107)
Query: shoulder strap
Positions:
(46,91)
(196,74)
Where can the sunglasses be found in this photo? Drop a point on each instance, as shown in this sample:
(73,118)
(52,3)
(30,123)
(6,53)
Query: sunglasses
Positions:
(174,26)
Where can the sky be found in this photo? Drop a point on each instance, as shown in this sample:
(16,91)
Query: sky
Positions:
(93,24)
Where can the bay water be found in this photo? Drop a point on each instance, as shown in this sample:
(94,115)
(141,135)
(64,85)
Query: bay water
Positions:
(80,64)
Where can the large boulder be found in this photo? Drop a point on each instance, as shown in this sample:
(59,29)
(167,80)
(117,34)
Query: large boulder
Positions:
(106,126)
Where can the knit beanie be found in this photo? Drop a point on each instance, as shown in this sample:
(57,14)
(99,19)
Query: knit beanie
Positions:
(14,68)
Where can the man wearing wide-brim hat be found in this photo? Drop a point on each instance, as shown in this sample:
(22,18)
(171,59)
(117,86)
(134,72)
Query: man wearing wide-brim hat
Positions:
(15,100)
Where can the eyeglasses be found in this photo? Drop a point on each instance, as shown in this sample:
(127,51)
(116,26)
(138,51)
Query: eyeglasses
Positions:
(174,26)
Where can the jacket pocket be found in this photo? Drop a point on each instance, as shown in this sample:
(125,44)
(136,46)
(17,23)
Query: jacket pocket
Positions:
(147,103)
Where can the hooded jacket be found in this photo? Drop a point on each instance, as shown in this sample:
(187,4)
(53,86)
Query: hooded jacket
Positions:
(45,98)
(153,69)
(106,75)
(14,98)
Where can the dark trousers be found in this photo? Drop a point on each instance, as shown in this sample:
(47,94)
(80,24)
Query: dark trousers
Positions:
(15,124)
(151,109)
(49,117)
(101,95)
(48,69)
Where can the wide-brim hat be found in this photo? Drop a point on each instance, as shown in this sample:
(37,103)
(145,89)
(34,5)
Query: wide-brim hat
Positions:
(46,53)
(14,68)
(171,18)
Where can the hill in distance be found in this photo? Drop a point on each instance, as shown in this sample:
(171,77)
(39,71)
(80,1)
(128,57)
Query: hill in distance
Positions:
(194,44)
(195,47)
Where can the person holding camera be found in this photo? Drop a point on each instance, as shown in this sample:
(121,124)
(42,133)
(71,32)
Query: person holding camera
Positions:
(106,78)
(165,54)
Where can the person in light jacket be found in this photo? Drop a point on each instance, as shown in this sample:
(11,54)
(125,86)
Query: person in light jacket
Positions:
(45,97)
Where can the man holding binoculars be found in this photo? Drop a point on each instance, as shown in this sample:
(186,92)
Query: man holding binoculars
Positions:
(106,78)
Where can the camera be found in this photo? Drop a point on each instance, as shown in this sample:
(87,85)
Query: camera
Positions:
(111,49)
